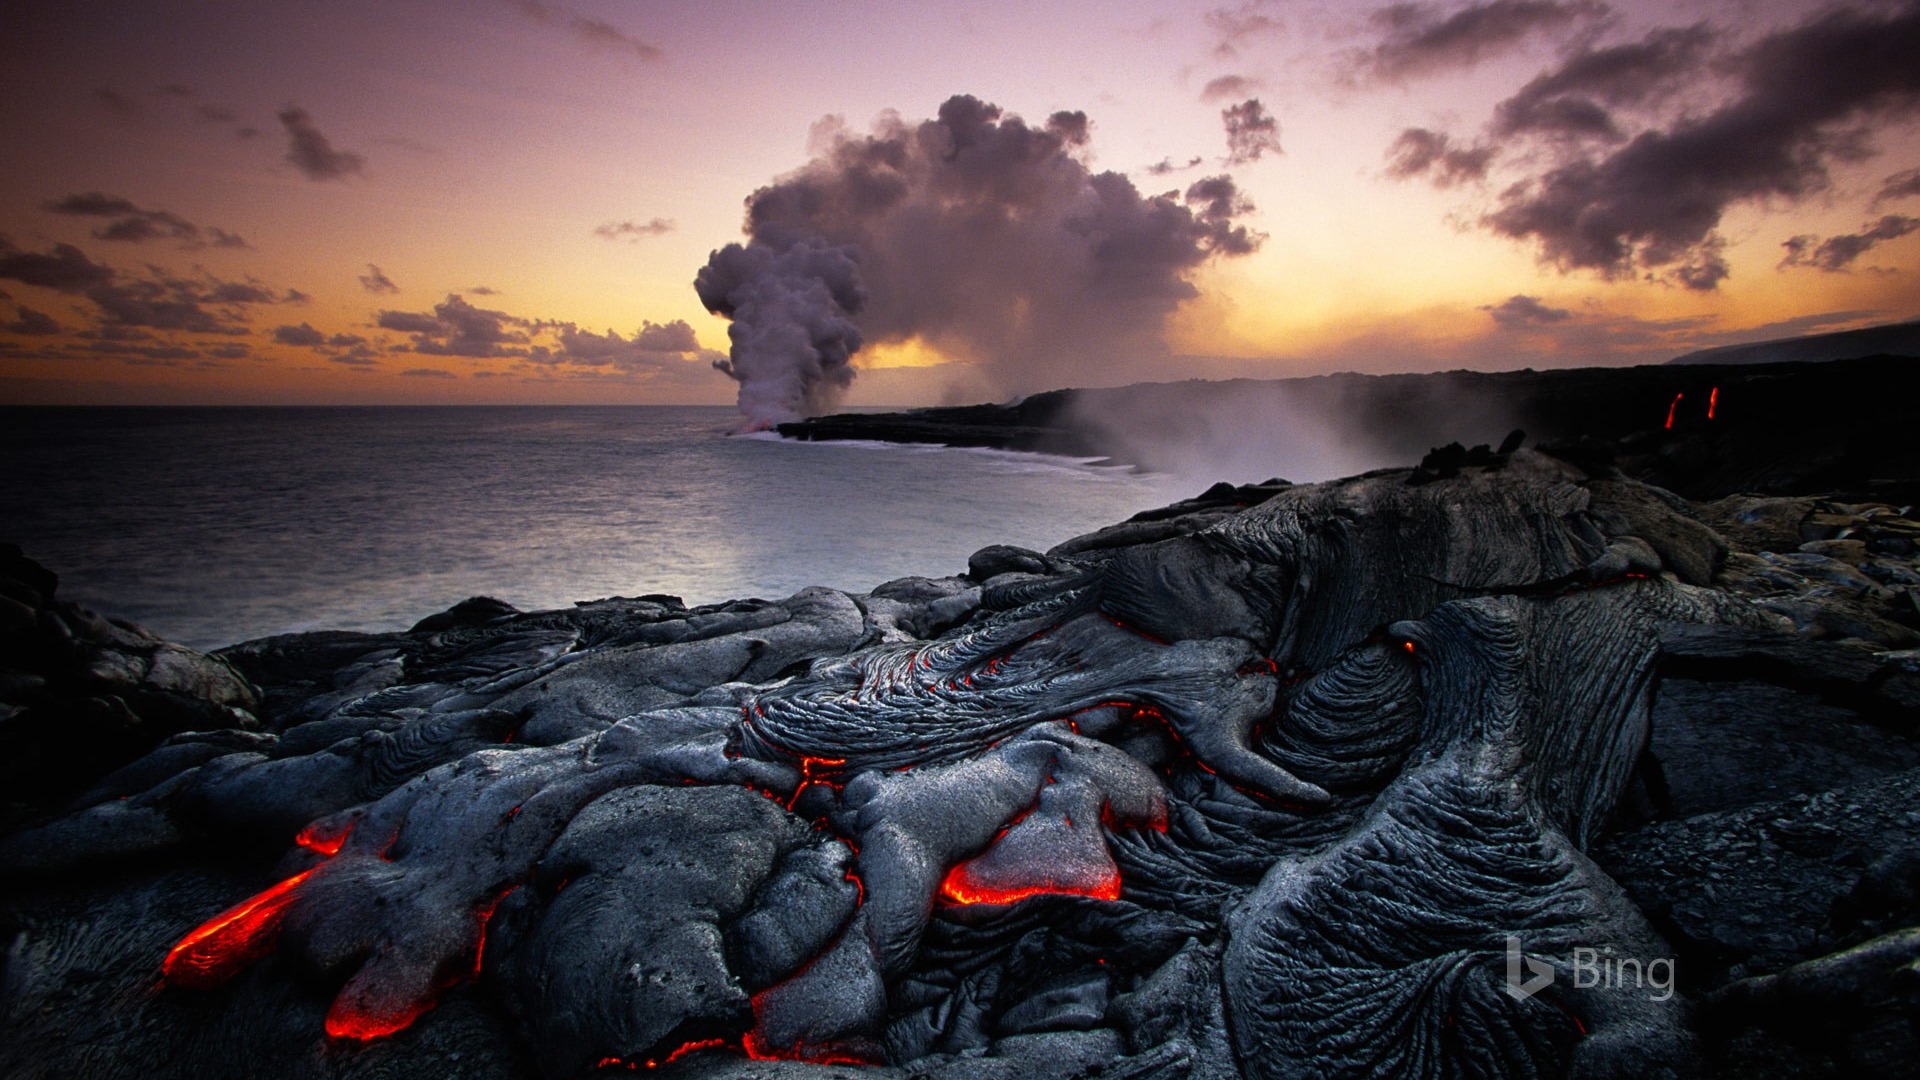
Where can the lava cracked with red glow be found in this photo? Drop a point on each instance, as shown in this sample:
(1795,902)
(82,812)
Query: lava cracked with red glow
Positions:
(219,948)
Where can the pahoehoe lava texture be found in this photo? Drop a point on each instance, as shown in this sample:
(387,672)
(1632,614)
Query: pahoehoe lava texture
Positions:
(1278,785)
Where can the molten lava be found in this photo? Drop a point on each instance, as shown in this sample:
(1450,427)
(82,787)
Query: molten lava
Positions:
(345,1022)
(324,839)
(219,948)
(1713,401)
(1671,409)
(960,888)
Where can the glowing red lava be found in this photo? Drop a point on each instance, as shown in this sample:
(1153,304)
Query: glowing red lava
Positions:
(321,839)
(1671,408)
(960,888)
(344,1022)
(1713,401)
(219,948)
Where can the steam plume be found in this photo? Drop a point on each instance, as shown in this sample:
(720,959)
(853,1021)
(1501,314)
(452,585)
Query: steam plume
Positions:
(985,237)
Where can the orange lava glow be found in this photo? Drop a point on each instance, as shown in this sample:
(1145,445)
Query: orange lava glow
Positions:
(219,948)
(486,914)
(344,1022)
(317,837)
(960,888)
(1713,401)
(1407,645)
(1671,409)
(693,1047)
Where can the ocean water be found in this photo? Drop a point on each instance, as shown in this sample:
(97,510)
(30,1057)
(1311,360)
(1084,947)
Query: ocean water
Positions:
(216,525)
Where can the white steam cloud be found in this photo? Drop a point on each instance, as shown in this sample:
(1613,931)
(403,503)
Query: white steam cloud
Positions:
(984,237)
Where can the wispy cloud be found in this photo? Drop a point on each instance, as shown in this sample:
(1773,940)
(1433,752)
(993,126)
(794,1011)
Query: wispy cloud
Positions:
(633,230)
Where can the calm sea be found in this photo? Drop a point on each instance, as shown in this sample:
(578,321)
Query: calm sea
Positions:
(215,525)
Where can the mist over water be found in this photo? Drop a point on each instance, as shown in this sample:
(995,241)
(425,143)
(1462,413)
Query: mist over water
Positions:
(210,526)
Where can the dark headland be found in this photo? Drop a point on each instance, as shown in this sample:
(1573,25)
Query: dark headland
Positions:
(1591,752)
(1776,427)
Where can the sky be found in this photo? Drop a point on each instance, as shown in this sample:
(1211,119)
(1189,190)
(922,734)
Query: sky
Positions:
(508,201)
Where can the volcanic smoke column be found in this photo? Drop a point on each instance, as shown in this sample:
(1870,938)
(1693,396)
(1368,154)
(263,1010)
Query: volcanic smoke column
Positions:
(791,300)
(981,239)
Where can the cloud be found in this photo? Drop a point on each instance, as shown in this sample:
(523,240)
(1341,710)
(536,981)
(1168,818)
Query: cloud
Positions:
(1226,87)
(592,31)
(978,234)
(1567,101)
(428,373)
(1252,132)
(32,323)
(64,268)
(656,351)
(1837,253)
(1803,98)
(1900,185)
(1167,166)
(1430,155)
(482,290)
(374,281)
(304,334)
(1237,26)
(202,304)
(614,230)
(310,151)
(1419,39)
(129,223)
(1520,312)
(457,328)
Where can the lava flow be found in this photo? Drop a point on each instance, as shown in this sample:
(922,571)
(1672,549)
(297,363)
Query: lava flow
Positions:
(219,948)
(960,888)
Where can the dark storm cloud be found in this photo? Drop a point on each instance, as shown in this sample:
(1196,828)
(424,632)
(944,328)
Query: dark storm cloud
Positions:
(595,32)
(1237,26)
(1229,86)
(1421,39)
(633,230)
(1430,155)
(1837,253)
(1900,185)
(303,334)
(1804,98)
(64,268)
(983,235)
(1252,132)
(1523,312)
(456,328)
(310,151)
(32,323)
(130,223)
(374,281)
(1571,99)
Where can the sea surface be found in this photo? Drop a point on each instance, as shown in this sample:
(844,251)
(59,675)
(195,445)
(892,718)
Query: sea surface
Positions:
(210,526)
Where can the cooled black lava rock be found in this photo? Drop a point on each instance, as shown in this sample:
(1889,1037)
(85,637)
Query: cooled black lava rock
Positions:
(1357,778)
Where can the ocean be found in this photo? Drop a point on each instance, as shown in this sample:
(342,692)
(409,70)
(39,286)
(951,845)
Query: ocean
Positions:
(211,526)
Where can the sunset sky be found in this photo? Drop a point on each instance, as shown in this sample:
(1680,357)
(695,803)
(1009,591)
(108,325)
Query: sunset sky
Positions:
(419,201)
